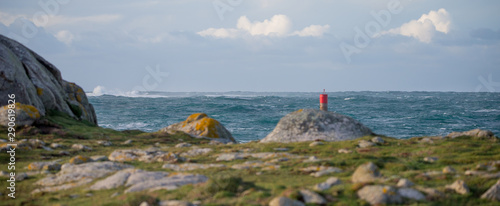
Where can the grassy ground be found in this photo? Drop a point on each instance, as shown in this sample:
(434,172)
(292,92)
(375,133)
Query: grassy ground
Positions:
(395,158)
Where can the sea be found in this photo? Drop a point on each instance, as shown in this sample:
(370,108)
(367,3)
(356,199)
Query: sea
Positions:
(252,115)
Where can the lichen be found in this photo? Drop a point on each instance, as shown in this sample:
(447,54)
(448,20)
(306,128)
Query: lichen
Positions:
(208,126)
(196,116)
(28,109)
(39,91)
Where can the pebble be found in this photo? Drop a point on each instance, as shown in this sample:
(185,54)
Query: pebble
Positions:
(345,151)
(313,144)
(378,140)
(430,159)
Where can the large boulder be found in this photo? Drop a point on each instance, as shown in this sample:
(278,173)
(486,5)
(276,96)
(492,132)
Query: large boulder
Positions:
(38,87)
(201,126)
(311,124)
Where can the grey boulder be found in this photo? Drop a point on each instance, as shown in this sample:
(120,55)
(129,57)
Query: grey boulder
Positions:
(311,124)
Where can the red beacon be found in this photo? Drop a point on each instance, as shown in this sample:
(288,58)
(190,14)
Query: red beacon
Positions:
(323,101)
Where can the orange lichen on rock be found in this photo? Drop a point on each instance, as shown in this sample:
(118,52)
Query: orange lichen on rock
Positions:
(208,126)
(31,111)
(39,91)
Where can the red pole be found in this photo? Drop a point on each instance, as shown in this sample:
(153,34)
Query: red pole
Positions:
(323,101)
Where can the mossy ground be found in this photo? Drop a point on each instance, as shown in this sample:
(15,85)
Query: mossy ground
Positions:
(402,158)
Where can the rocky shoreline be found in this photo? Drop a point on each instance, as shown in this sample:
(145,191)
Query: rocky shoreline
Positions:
(103,166)
(312,157)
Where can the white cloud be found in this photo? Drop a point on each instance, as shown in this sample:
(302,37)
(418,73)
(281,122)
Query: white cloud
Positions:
(8,19)
(426,26)
(65,36)
(313,30)
(220,33)
(278,26)
(65,20)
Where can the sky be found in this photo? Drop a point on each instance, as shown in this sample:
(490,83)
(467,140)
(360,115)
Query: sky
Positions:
(264,45)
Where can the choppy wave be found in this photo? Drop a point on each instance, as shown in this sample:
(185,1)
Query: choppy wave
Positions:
(251,115)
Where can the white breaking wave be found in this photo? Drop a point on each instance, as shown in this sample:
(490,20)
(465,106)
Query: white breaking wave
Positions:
(100,90)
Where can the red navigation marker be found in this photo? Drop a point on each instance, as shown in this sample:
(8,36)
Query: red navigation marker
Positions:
(323,101)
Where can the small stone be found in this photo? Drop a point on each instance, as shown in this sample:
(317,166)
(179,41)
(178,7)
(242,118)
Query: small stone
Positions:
(104,143)
(493,193)
(327,184)
(403,182)
(74,196)
(449,170)
(410,193)
(21,176)
(197,152)
(285,201)
(115,194)
(128,142)
(56,146)
(365,144)
(64,153)
(89,195)
(144,204)
(459,187)
(327,171)
(312,197)
(81,147)
(430,159)
(51,166)
(427,140)
(230,156)
(184,144)
(379,195)
(366,173)
(315,143)
(281,149)
(345,151)
(4,174)
(99,158)
(174,203)
(431,192)
(79,159)
(378,140)
(47,148)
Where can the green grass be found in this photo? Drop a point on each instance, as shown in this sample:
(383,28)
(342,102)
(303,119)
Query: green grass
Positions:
(401,158)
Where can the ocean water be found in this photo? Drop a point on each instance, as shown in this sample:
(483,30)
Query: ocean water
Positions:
(251,116)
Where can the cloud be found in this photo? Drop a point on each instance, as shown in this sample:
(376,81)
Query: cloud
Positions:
(426,26)
(65,20)
(313,30)
(278,26)
(65,36)
(8,19)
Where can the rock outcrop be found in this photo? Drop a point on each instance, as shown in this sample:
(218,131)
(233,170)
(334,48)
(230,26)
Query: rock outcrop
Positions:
(38,87)
(477,133)
(201,126)
(311,124)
